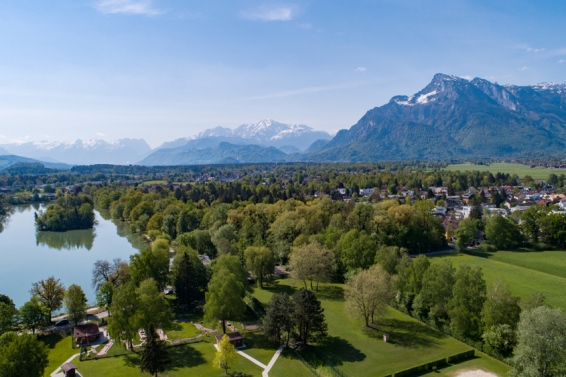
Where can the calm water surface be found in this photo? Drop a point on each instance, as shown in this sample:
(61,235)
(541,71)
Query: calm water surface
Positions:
(27,256)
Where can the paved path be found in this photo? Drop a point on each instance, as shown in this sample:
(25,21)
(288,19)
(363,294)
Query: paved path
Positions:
(272,361)
(59,372)
(256,362)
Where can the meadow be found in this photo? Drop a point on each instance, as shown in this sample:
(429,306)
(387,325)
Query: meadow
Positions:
(526,272)
(538,173)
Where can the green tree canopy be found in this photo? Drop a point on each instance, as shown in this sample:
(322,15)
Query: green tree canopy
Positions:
(75,303)
(224,299)
(22,355)
(309,316)
(260,260)
(50,293)
(155,355)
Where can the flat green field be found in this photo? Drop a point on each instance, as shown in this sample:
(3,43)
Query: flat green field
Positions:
(538,173)
(353,350)
(526,272)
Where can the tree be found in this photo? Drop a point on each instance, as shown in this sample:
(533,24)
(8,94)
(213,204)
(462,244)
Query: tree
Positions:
(357,250)
(389,257)
(50,292)
(226,356)
(260,260)
(278,320)
(309,316)
(155,356)
(22,355)
(189,278)
(468,297)
(466,233)
(312,262)
(432,302)
(8,313)
(105,295)
(117,272)
(75,303)
(500,307)
(224,298)
(503,233)
(368,293)
(124,307)
(153,308)
(151,263)
(33,315)
(541,343)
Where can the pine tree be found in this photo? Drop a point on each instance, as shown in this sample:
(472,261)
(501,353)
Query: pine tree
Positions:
(155,356)
(278,321)
(309,315)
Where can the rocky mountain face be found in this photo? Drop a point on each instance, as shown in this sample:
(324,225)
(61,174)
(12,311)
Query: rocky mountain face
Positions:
(223,153)
(83,152)
(267,133)
(453,117)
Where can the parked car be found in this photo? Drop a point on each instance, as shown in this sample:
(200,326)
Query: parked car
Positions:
(63,322)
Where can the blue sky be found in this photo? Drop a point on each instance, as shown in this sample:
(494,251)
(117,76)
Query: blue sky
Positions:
(163,69)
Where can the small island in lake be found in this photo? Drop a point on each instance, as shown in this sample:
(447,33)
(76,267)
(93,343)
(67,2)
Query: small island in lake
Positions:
(67,213)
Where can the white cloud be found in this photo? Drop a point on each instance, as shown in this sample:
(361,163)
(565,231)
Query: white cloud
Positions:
(137,7)
(561,61)
(523,68)
(267,14)
(530,49)
(100,134)
(360,69)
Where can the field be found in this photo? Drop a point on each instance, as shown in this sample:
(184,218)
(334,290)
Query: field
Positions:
(538,173)
(526,272)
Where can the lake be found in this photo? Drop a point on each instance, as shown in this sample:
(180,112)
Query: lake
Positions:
(27,256)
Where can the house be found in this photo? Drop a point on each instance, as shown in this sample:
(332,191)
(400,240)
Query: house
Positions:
(366,192)
(235,338)
(467,197)
(87,333)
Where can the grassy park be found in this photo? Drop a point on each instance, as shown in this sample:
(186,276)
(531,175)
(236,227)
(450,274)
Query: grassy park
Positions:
(350,349)
(538,173)
(526,272)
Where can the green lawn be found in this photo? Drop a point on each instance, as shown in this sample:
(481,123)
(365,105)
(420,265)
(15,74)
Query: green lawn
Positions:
(182,330)
(551,262)
(188,360)
(355,351)
(481,361)
(59,351)
(523,281)
(538,173)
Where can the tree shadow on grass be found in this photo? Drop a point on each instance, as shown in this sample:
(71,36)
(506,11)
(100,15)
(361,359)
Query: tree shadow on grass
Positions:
(275,287)
(439,369)
(330,293)
(185,356)
(51,340)
(332,351)
(257,340)
(408,334)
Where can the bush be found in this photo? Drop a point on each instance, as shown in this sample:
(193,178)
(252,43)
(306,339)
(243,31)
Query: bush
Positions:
(485,247)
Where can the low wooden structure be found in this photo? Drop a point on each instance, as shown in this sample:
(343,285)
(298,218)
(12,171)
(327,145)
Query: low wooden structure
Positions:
(69,369)
(236,338)
(87,333)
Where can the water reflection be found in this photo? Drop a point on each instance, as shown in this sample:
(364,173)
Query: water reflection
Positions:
(123,230)
(72,239)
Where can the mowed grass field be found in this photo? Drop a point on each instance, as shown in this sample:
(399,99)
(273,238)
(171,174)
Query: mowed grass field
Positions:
(538,173)
(353,350)
(526,272)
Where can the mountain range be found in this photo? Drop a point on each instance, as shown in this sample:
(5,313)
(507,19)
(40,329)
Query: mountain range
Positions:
(453,117)
(450,118)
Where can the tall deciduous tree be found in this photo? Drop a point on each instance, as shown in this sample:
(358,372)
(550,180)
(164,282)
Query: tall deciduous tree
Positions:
(151,263)
(278,322)
(124,308)
(260,260)
(105,295)
(153,308)
(368,293)
(22,355)
(224,298)
(226,356)
(468,297)
(8,314)
(502,232)
(500,307)
(312,262)
(541,344)
(155,356)
(33,315)
(432,302)
(75,303)
(50,292)
(309,316)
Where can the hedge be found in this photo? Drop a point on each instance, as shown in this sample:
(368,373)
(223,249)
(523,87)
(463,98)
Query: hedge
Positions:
(436,363)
